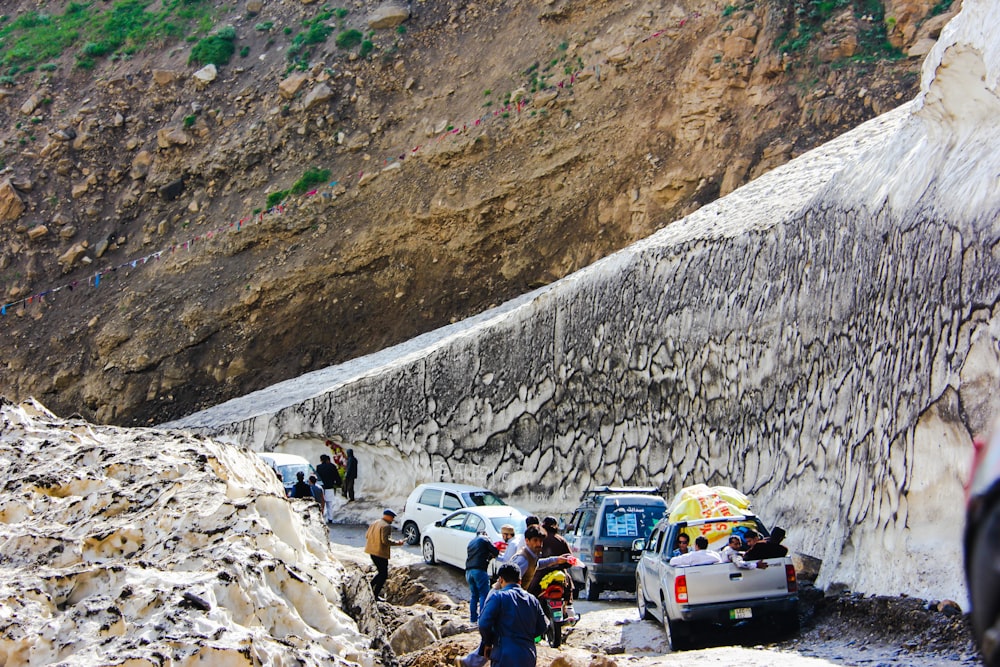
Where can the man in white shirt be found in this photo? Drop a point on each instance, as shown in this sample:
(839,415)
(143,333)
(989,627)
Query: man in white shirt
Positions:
(700,556)
(510,548)
(733,553)
(517,543)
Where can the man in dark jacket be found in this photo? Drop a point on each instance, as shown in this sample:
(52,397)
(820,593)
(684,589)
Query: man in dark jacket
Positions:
(330,477)
(765,548)
(301,488)
(479,554)
(350,474)
(510,622)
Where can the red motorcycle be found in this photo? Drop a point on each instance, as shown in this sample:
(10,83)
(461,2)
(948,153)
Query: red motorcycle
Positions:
(559,612)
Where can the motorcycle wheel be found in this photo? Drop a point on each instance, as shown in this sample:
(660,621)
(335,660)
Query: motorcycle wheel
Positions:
(554,633)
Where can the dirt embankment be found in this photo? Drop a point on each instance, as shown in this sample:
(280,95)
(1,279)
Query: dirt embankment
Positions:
(478,151)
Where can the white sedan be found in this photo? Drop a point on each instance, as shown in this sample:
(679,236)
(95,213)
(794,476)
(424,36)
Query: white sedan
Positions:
(447,540)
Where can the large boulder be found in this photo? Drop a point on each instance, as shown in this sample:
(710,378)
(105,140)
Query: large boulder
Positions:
(11,206)
(317,95)
(415,634)
(290,86)
(903,18)
(388,15)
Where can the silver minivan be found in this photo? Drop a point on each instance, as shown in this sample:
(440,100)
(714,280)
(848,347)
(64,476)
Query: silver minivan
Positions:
(606,533)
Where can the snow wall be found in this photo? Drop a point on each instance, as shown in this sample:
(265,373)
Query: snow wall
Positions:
(824,338)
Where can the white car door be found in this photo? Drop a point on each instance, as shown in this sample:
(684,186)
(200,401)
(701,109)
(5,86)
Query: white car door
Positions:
(453,540)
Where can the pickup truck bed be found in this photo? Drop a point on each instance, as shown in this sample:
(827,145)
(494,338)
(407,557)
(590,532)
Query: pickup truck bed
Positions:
(724,593)
(719,593)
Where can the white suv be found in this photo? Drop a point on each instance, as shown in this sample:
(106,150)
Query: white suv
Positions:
(429,502)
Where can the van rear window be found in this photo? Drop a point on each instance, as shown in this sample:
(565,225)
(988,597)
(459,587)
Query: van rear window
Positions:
(631,520)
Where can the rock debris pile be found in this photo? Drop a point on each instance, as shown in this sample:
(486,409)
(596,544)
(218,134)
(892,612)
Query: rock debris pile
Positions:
(144,547)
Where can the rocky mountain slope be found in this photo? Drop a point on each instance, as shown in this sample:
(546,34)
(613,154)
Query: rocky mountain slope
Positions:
(445,157)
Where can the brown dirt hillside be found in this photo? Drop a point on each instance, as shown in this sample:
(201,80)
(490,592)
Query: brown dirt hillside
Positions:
(599,122)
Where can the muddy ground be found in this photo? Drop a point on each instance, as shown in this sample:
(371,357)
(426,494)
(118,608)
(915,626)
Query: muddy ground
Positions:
(838,627)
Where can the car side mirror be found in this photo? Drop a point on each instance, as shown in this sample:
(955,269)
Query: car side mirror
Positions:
(639,544)
(439,523)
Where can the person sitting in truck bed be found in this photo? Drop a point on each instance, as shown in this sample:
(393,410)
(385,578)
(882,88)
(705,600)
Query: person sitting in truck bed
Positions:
(732,553)
(682,545)
(700,556)
(759,549)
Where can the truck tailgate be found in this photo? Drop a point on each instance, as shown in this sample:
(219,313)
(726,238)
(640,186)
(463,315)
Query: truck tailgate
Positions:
(710,584)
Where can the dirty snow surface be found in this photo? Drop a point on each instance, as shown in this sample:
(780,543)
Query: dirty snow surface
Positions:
(139,547)
(147,547)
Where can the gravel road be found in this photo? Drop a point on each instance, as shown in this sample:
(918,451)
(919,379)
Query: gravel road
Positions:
(843,630)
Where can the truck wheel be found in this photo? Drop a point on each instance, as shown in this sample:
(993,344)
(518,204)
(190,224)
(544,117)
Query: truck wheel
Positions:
(642,603)
(678,632)
(593,590)
(789,624)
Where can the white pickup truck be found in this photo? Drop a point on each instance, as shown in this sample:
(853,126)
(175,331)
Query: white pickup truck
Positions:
(720,593)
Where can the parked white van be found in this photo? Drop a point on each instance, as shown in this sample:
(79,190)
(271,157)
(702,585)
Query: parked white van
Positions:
(287,465)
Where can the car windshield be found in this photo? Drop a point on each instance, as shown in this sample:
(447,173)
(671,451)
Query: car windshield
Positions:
(482,498)
(516,521)
(630,520)
(288,472)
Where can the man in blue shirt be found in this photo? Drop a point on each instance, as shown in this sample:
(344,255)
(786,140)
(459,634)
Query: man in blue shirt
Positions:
(510,621)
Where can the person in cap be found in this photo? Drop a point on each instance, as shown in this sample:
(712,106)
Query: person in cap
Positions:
(378,541)
(508,533)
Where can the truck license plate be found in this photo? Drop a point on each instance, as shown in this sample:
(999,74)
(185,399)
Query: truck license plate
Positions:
(741,612)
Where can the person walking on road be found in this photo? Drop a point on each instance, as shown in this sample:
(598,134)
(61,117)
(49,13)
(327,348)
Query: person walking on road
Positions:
(350,474)
(377,545)
(479,554)
(510,622)
(330,477)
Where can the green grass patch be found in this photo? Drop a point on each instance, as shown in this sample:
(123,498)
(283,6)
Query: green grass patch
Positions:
(941,7)
(97,30)
(316,32)
(348,39)
(276,198)
(312,177)
(216,49)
